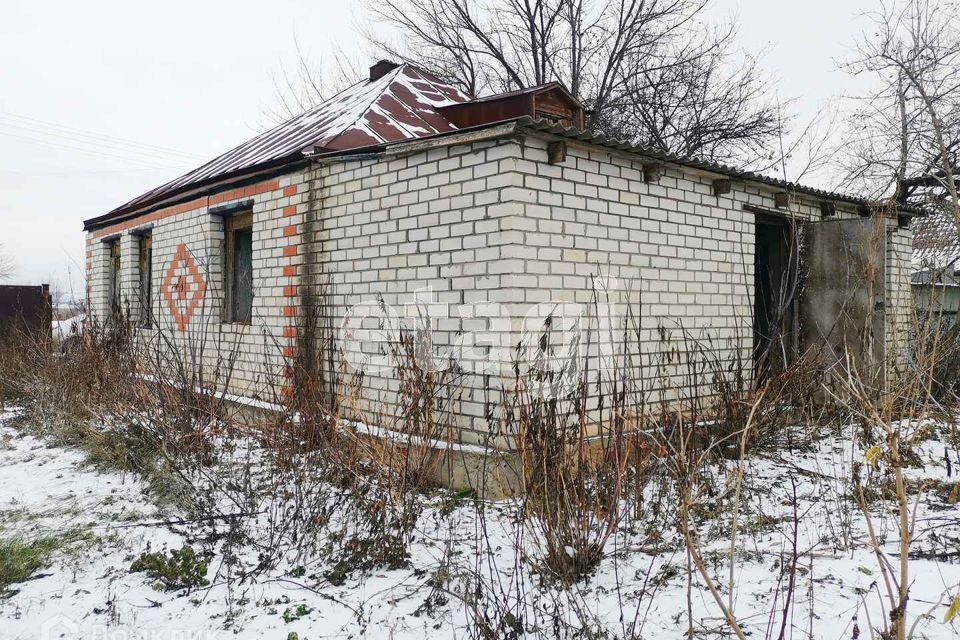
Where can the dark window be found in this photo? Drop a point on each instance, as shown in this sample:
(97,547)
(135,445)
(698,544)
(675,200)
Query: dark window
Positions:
(239,268)
(146,280)
(114,248)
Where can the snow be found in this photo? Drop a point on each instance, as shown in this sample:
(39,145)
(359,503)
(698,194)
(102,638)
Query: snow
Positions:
(63,329)
(91,593)
(346,112)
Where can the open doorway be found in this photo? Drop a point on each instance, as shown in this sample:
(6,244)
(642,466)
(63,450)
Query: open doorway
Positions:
(775,286)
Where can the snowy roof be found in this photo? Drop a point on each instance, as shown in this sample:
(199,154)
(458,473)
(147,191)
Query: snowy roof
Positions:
(397,106)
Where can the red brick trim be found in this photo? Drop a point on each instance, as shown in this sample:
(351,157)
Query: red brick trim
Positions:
(192,205)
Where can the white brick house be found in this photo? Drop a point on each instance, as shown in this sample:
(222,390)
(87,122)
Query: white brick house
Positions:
(404,189)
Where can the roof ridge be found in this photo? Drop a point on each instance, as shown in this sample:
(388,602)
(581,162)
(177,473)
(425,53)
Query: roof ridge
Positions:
(391,75)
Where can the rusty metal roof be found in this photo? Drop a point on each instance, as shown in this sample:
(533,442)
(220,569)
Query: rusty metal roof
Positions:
(405,104)
(540,88)
(398,106)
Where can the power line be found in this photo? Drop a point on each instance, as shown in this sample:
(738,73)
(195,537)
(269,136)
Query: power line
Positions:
(103,138)
(40,135)
(146,162)
(78,171)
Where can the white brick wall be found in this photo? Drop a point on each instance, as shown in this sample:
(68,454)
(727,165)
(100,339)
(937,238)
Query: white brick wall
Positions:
(492,230)
(247,359)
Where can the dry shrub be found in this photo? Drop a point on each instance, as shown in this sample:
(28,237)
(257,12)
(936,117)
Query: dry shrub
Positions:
(63,390)
(395,452)
(584,459)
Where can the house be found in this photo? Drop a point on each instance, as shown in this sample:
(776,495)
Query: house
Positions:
(936,268)
(402,195)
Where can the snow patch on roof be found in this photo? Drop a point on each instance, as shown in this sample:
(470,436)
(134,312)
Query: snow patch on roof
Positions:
(400,105)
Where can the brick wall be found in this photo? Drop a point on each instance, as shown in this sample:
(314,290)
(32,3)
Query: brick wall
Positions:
(188,243)
(490,238)
(432,224)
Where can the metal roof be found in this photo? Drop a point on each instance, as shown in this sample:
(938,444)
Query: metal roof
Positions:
(540,88)
(405,104)
(401,105)
(936,242)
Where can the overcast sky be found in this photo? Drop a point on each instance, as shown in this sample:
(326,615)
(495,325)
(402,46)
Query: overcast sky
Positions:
(102,100)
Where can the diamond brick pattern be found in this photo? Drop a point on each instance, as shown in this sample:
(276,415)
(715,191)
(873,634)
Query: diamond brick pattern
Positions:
(183,287)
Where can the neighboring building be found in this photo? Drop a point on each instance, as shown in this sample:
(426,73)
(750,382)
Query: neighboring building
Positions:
(936,268)
(403,184)
(26,309)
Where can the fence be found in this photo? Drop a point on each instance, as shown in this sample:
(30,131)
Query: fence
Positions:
(26,308)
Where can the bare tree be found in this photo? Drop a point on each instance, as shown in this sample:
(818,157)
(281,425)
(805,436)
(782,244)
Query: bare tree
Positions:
(308,84)
(649,71)
(905,137)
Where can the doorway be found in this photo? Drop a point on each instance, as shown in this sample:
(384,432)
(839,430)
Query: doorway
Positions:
(775,261)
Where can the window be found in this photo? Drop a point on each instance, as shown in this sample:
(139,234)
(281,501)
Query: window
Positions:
(145,264)
(239,269)
(114,251)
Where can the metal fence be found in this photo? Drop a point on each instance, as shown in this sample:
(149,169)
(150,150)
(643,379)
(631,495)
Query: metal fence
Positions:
(26,309)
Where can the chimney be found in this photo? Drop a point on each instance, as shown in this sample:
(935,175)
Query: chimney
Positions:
(382,68)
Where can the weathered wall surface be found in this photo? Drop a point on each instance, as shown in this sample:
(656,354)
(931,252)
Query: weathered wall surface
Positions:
(26,308)
(900,305)
(680,258)
(432,226)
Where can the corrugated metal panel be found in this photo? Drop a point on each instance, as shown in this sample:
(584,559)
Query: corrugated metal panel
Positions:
(399,106)
(935,242)
(696,163)
(26,309)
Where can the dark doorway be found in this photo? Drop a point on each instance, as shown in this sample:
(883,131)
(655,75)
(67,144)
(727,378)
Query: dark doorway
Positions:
(775,284)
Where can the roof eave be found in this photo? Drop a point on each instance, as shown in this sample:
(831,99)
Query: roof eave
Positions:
(195,190)
(711,167)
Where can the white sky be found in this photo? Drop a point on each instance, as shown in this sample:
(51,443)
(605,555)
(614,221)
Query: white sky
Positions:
(102,100)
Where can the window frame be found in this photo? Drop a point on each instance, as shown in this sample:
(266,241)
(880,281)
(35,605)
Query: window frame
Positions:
(145,296)
(115,277)
(240,222)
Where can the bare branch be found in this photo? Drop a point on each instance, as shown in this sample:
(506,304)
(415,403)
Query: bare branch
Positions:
(904,139)
(644,68)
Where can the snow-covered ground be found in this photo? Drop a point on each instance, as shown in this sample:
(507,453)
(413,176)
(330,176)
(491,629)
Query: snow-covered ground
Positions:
(68,328)
(88,590)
